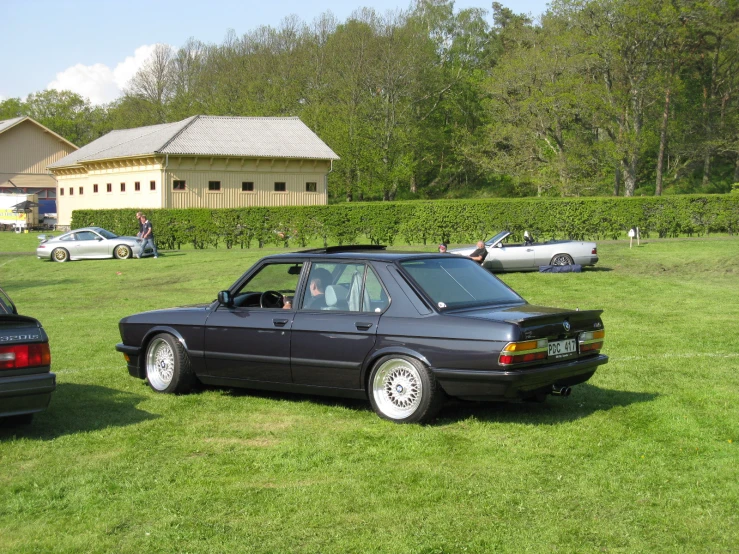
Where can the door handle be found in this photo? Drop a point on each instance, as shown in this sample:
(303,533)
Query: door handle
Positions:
(529,250)
(362,326)
(280,322)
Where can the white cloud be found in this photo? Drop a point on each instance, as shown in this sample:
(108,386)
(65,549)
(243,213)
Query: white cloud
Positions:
(98,82)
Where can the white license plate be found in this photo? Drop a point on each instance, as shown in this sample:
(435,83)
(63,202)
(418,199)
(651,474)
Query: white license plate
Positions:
(563,347)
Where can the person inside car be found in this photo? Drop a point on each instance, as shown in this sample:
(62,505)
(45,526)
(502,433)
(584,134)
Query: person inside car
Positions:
(480,254)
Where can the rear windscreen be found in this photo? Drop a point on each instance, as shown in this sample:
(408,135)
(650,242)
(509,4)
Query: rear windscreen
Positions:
(455,282)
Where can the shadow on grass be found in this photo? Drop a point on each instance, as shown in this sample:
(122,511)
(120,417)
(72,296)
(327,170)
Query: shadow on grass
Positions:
(584,401)
(78,408)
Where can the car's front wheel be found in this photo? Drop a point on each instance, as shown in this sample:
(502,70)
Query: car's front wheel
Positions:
(60,255)
(403,390)
(168,366)
(122,252)
(562,259)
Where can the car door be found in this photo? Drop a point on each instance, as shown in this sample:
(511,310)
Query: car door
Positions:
(250,339)
(330,344)
(87,245)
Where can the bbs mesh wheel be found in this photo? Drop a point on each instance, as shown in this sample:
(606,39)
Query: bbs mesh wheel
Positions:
(168,367)
(60,255)
(122,252)
(403,390)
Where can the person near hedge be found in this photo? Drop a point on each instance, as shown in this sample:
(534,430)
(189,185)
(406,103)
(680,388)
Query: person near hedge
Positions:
(480,254)
(147,233)
(141,225)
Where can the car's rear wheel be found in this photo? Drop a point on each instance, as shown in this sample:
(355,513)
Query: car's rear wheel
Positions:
(168,368)
(60,255)
(122,252)
(403,390)
(561,259)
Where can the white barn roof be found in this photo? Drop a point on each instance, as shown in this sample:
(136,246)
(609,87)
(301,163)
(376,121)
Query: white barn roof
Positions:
(205,135)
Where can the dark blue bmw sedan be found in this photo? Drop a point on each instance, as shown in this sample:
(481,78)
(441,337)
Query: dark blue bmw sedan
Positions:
(405,330)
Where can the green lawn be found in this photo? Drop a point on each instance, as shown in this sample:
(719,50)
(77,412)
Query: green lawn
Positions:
(643,458)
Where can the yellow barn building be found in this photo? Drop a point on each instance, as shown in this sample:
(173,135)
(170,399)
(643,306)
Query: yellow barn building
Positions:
(26,149)
(200,162)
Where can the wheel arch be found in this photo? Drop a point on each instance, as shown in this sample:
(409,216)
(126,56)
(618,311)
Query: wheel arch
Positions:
(371,360)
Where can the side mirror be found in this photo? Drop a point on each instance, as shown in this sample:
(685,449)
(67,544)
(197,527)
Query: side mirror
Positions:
(224,297)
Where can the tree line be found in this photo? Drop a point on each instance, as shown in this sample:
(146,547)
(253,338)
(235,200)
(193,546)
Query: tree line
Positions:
(597,97)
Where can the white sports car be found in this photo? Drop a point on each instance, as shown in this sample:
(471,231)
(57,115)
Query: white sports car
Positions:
(503,256)
(90,243)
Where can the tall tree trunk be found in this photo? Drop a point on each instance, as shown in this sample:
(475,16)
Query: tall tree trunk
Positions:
(629,168)
(414,184)
(617,182)
(662,144)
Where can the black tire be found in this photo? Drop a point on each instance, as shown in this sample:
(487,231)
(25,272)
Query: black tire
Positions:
(561,259)
(122,252)
(60,255)
(403,390)
(167,365)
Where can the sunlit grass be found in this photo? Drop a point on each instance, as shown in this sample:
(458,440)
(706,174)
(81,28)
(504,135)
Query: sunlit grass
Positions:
(643,458)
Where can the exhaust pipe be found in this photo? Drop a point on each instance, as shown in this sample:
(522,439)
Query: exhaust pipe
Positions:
(561,391)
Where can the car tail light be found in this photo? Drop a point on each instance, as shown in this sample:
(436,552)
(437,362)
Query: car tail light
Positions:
(24,355)
(521,352)
(594,251)
(591,341)
(42,245)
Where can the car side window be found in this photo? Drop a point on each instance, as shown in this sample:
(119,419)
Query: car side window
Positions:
(86,235)
(374,298)
(272,286)
(330,286)
(70,236)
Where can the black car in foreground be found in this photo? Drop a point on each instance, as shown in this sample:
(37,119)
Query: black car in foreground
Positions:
(404,329)
(26,381)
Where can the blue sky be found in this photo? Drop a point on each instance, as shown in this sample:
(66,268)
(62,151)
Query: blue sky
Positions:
(94,46)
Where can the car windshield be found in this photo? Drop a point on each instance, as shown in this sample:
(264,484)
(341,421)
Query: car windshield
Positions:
(107,234)
(496,238)
(456,282)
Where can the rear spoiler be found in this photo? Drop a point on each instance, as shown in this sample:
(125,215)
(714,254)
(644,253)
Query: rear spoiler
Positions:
(544,318)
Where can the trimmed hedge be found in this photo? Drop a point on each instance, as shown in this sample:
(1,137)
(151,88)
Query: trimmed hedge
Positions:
(424,222)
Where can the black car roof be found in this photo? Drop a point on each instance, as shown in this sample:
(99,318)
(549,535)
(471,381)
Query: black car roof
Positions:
(354,252)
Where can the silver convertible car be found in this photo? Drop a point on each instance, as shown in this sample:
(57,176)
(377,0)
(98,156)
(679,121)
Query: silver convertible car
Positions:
(504,256)
(90,243)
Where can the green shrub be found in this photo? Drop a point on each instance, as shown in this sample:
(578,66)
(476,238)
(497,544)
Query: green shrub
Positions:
(424,222)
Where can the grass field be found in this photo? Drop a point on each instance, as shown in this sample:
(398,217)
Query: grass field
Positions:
(642,458)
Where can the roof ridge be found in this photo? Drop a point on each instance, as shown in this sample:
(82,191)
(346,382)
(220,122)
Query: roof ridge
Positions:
(118,144)
(178,133)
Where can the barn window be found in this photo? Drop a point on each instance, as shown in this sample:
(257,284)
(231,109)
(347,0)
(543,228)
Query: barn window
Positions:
(109,187)
(137,186)
(280,187)
(61,192)
(214,186)
(152,185)
(247,186)
(81,190)
(123,187)
(94,188)
(71,191)
(311,187)
(178,185)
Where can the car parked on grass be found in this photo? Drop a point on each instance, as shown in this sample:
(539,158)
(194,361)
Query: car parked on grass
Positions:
(26,381)
(529,255)
(90,243)
(402,329)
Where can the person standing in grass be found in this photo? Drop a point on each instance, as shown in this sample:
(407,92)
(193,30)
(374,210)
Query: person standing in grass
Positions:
(147,233)
(141,225)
